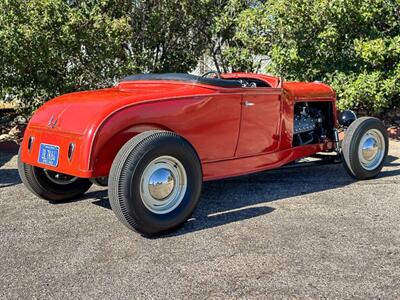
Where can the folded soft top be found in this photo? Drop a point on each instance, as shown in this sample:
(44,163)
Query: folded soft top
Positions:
(187,78)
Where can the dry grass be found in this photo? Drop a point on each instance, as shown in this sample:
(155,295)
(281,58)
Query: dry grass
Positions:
(6,105)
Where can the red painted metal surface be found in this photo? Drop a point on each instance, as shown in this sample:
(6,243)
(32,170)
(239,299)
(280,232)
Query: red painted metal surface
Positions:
(259,130)
(230,138)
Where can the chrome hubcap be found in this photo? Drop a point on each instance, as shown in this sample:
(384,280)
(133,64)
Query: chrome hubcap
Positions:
(59,178)
(163,184)
(371,149)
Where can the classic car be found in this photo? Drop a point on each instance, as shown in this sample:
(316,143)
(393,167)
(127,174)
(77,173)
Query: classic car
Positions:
(154,138)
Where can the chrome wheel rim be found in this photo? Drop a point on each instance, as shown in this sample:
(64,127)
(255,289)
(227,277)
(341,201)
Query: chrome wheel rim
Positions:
(59,178)
(163,184)
(371,150)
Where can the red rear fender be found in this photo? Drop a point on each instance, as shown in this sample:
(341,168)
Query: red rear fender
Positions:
(108,142)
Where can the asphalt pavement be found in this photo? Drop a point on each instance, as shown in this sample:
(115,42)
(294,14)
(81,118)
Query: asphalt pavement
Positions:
(307,232)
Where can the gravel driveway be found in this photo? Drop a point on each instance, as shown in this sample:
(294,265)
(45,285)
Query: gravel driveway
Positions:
(304,232)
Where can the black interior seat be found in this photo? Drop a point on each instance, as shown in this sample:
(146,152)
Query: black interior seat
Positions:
(186,78)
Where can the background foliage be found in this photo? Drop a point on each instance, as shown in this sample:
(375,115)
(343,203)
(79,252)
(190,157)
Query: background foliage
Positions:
(50,47)
(353,45)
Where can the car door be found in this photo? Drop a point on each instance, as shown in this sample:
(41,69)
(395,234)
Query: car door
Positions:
(260,121)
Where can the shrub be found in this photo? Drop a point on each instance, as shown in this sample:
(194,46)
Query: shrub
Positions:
(51,47)
(371,92)
(353,45)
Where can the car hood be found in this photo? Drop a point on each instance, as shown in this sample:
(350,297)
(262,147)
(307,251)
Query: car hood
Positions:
(309,90)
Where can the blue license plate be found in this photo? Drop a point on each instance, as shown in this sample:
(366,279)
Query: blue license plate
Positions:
(48,154)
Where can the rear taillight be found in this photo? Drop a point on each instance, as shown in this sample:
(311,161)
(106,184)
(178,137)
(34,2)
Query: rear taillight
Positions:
(71,150)
(30,142)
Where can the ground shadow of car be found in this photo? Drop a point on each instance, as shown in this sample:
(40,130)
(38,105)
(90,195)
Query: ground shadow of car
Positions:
(232,200)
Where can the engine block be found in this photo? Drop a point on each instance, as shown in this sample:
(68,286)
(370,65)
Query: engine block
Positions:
(304,123)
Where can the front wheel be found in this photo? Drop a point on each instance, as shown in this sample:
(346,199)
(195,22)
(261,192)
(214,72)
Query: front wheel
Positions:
(364,148)
(155,182)
(50,185)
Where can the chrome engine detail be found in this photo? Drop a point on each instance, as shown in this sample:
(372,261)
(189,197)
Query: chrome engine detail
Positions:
(303,122)
(308,124)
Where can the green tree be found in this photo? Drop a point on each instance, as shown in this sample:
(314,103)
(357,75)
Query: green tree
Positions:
(51,47)
(353,45)
(169,35)
(238,35)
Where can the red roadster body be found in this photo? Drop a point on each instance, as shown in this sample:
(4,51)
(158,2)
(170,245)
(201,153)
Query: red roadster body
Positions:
(234,129)
(153,139)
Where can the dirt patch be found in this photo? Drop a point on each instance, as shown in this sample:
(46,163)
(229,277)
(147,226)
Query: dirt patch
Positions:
(12,127)
(6,105)
(394,133)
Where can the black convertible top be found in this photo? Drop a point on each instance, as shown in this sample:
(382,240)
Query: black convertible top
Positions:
(186,77)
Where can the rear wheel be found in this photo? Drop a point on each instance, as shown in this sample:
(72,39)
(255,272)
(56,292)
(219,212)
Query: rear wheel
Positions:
(51,185)
(155,182)
(365,147)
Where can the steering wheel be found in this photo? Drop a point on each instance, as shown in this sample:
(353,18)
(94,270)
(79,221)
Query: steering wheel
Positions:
(218,74)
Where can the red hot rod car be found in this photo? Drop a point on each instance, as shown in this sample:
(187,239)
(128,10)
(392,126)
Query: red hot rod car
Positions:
(153,139)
